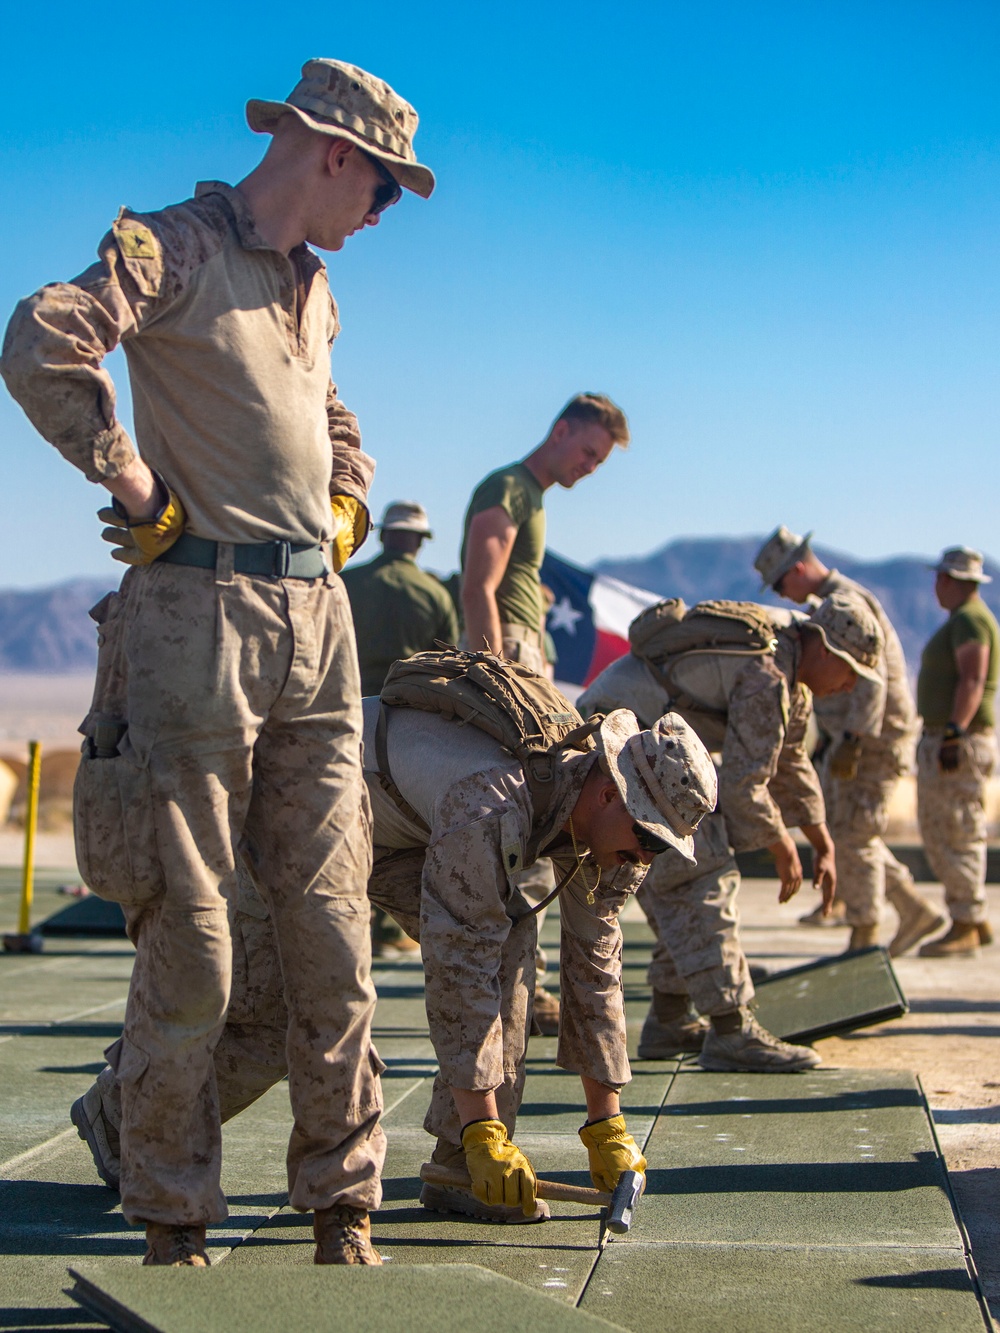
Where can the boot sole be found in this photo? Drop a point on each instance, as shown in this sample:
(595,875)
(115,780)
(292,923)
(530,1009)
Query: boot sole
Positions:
(85,1130)
(440,1199)
(722,1066)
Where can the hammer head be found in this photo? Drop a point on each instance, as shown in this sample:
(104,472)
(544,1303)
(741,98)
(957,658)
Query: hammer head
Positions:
(623,1201)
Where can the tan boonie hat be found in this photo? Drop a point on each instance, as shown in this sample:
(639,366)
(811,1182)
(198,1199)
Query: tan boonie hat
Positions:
(405,516)
(664,775)
(962,563)
(343,100)
(850,631)
(776,557)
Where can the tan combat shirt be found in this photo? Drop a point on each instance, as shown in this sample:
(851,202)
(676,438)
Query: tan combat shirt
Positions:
(473,797)
(228,345)
(882,711)
(766,780)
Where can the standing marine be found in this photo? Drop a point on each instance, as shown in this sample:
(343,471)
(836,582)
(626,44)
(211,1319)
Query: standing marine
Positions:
(227,706)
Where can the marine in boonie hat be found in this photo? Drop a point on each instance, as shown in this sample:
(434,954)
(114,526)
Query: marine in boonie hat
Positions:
(664,775)
(962,563)
(780,552)
(405,516)
(850,631)
(345,101)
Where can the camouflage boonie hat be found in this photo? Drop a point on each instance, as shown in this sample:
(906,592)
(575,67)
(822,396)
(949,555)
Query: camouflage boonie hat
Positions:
(664,775)
(345,101)
(776,557)
(850,631)
(405,516)
(962,563)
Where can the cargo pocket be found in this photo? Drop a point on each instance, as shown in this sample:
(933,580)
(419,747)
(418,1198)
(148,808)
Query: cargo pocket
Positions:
(114,830)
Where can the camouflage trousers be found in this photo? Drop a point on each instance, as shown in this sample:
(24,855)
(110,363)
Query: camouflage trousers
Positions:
(693,913)
(952,816)
(857,817)
(241,700)
(250,1054)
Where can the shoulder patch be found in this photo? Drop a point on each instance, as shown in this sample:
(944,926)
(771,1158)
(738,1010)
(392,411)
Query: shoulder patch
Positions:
(137,242)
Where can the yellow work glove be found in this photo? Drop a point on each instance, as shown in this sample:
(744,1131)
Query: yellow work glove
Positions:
(142,543)
(351,525)
(612,1150)
(500,1172)
(845,758)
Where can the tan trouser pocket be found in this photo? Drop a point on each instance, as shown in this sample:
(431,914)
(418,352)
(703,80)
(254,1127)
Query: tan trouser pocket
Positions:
(114,831)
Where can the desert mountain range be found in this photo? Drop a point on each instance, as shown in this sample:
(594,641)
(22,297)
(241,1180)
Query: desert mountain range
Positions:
(48,631)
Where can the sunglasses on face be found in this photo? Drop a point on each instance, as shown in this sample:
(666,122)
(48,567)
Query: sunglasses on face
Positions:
(388,191)
(649,842)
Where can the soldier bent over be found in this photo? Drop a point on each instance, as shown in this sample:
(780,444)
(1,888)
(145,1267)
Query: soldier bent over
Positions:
(753,709)
(227,703)
(455,821)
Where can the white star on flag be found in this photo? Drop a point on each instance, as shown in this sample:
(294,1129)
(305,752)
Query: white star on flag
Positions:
(564,616)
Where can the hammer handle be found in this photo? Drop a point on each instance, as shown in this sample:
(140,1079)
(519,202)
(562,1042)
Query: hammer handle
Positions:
(433,1174)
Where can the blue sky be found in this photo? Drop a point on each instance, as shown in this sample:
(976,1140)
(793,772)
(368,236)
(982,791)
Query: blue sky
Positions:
(769,230)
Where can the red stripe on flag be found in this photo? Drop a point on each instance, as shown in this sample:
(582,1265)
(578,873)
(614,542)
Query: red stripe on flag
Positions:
(607,649)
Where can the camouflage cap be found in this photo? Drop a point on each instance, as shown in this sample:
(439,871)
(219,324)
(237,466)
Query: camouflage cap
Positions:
(776,557)
(850,631)
(962,563)
(345,101)
(405,516)
(664,775)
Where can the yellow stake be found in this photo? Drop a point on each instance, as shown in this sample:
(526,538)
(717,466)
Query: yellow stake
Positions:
(30,824)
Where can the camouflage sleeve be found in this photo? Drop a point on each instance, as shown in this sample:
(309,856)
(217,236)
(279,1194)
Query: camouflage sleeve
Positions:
(464,924)
(351,470)
(57,339)
(592,1038)
(795,785)
(866,704)
(755,734)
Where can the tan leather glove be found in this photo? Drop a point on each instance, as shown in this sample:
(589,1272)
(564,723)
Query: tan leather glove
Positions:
(845,758)
(612,1150)
(142,543)
(352,525)
(500,1172)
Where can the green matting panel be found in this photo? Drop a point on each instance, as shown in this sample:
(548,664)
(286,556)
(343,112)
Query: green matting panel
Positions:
(750,1289)
(423,1298)
(86,916)
(832,996)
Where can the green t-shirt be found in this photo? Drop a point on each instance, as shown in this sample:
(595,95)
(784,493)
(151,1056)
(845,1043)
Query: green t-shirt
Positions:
(398,609)
(517,492)
(972,622)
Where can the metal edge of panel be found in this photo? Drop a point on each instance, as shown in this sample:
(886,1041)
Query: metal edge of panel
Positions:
(970,1261)
(97,1302)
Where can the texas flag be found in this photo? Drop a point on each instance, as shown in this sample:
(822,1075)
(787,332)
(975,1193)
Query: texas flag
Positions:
(589,620)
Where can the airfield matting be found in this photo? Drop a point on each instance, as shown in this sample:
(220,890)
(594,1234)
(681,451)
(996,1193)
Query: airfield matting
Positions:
(814,1201)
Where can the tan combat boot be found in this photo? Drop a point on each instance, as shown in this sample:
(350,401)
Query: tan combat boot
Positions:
(985,933)
(343,1236)
(99,1132)
(917,918)
(736,1042)
(862,937)
(545,1014)
(169,1246)
(961,941)
(837,917)
(671,1028)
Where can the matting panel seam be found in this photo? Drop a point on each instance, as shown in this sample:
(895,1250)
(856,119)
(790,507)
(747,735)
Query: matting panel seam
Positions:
(645,1143)
(789,1246)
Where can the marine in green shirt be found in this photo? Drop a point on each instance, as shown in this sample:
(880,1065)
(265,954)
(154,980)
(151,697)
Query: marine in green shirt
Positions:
(399,609)
(946,663)
(504,537)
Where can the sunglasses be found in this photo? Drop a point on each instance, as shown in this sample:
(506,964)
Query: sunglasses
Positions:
(388,191)
(649,842)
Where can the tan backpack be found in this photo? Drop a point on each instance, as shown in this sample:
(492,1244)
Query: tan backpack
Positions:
(517,707)
(664,634)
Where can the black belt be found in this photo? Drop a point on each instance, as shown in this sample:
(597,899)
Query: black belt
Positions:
(283,560)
